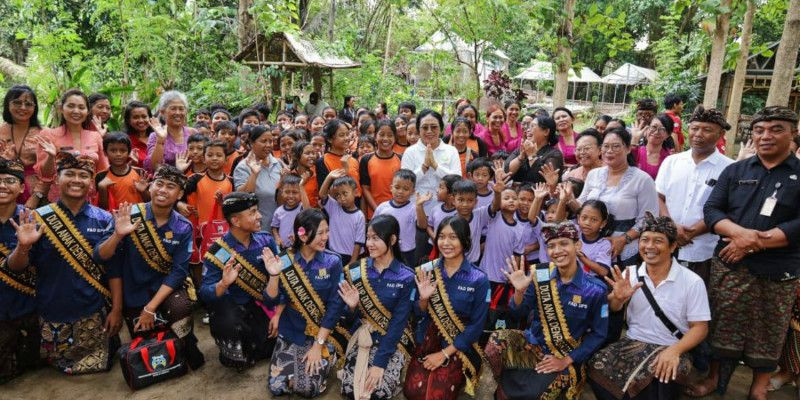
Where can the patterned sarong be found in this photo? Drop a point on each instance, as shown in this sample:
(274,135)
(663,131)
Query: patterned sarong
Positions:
(508,349)
(790,358)
(750,315)
(287,371)
(443,383)
(19,346)
(388,388)
(80,347)
(627,367)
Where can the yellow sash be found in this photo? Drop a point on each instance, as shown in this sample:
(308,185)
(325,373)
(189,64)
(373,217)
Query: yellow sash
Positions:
(23,281)
(250,279)
(148,243)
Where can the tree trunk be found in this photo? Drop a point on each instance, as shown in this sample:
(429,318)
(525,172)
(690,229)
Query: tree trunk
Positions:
(563,56)
(388,40)
(718,42)
(245,31)
(12,70)
(735,104)
(331,19)
(786,58)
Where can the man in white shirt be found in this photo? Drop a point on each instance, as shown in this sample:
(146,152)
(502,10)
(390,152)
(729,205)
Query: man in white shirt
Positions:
(684,182)
(314,106)
(660,339)
(431,160)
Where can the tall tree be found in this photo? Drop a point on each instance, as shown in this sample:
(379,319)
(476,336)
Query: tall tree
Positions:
(563,60)
(786,58)
(719,39)
(245,28)
(735,104)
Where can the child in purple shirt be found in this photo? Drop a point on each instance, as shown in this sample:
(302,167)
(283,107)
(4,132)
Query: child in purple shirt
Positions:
(594,222)
(524,201)
(401,208)
(283,218)
(347,222)
(540,193)
(480,171)
(447,206)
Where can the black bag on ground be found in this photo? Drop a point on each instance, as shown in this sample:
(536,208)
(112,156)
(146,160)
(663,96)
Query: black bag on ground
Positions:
(524,383)
(153,359)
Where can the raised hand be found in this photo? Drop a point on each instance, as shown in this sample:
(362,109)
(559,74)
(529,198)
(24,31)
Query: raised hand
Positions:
(621,288)
(182,161)
(272,263)
(501,179)
(122,220)
(230,272)
(255,165)
(142,184)
(105,183)
(422,198)
(746,150)
(425,284)
(160,130)
(346,161)
(27,231)
(566,191)
(349,294)
(540,190)
(338,173)
(47,146)
(529,147)
(516,274)
(98,124)
(549,174)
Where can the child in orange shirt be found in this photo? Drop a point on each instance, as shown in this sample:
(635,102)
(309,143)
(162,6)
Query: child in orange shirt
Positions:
(226,132)
(121,182)
(204,191)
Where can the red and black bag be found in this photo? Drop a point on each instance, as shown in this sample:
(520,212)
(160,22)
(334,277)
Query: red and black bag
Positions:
(154,359)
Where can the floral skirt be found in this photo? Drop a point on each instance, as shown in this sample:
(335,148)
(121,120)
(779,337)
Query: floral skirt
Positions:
(19,346)
(79,347)
(240,332)
(287,371)
(443,383)
(389,386)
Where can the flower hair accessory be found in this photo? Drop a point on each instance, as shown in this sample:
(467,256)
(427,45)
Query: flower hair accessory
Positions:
(301,231)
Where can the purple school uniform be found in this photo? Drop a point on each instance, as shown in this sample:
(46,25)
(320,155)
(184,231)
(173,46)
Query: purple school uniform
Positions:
(406,215)
(502,241)
(598,251)
(437,216)
(528,236)
(348,228)
(485,200)
(283,219)
(479,220)
(537,233)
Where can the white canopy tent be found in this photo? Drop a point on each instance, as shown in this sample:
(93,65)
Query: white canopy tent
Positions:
(490,59)
(543,71)
(628,75)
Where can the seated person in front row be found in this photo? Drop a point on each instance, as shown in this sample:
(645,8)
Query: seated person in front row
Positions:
(234,283)
(548,359)
(79,331)
(651,362)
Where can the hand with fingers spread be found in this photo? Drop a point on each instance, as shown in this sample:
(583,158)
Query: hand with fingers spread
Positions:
(313,359)
(423,198)
(621,288)
(122,220)
(230,272)
(159,129)
(746,150)
(549,174)
(338,173)
(105,183)
(516,274)
(349,294)
(27,231)
(47,146)
(272,263)
(182,161)
(98,124)
(501,179)
(566,193)
(142,184)
(255,165)
(540,191)
(425,284)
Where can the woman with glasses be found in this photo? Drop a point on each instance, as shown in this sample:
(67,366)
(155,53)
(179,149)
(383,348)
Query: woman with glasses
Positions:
(656,146)
(18,134)
(629,193)
(587,151)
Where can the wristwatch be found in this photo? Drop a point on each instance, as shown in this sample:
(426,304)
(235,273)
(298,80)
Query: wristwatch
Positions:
(628,238)
(39,195)
(320,342)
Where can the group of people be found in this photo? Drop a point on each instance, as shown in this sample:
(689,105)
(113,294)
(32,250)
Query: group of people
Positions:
(402,253)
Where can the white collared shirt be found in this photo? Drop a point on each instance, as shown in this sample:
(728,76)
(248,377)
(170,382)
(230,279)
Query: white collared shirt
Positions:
(686,187)
(447,161)
(682,297)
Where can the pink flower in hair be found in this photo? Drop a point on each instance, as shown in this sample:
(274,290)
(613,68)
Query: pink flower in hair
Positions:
(301,231)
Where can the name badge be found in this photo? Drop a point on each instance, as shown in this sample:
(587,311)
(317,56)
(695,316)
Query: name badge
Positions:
(769,206)
(542,275)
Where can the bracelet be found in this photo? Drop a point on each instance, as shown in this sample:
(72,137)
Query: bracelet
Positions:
(446,359)
(148,311)
(445,354)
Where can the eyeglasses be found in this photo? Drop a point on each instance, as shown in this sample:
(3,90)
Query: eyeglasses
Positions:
(9,181)
(21,104)
(615,147)
(584,149)
(659,129)
(428,128)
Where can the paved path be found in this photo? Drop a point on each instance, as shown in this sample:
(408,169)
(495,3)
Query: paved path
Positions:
(213,382)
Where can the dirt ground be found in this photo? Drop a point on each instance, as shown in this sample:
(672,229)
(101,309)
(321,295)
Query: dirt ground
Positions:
(213,381)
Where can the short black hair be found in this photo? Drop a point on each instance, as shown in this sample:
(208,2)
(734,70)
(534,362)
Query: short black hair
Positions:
(215,143)
(95,97)
(409,105)
(116,137)
(428,112)
(248,112)
(406,174)
(367,139)
(461,227)
(671,100)
(229,125)
(215,111)
(593,133)
(308,219)
(465,186)
(364,127)
(201,111)
(450,180)
(386,122)
(197,137)
(291,179)
(262,108)
(480,162)
(344,180)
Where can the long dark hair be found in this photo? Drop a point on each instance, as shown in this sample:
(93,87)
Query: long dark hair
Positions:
(546,122)
(308,219)
(330,128)
(297,151)
(14,93)
(668,124)
(461,227)
(79,93)
(126,116)
(384,227)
